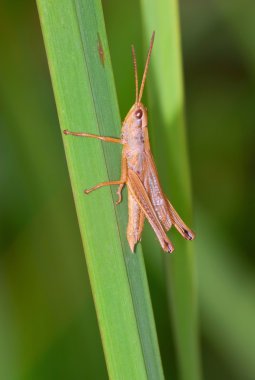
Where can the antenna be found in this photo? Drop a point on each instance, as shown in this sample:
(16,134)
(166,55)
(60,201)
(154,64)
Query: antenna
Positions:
(136,75)
(146,67)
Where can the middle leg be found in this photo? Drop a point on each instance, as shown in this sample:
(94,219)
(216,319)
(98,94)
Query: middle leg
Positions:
(87,191)
(123,178)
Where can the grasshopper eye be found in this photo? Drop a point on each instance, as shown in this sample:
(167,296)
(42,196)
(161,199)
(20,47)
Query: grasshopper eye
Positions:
(139,113)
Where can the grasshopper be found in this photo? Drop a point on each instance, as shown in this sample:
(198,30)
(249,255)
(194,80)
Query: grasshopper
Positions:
(138,171)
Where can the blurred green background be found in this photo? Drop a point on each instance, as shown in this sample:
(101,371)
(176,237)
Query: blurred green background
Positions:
(48,328)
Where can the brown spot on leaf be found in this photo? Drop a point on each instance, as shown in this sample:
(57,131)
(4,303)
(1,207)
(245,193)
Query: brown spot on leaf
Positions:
(100,49)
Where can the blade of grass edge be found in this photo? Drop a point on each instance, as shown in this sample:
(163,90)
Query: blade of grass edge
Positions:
(79,61)
(167,117)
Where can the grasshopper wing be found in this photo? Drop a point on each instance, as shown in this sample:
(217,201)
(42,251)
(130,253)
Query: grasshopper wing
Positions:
(153,188)
(164,209)
(139,194)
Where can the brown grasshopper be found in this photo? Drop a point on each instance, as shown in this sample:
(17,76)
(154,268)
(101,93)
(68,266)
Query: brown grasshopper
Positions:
(138,171)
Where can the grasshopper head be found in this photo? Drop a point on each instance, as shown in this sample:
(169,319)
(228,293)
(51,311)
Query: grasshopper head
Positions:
(138,114)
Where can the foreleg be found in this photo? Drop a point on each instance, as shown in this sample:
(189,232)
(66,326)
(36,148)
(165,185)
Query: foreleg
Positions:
(103,138)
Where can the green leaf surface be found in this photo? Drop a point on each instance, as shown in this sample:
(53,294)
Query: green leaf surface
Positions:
(80,68)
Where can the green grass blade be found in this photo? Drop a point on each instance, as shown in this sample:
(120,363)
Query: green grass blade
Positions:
(80,67)
(227,300)
(167,127)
